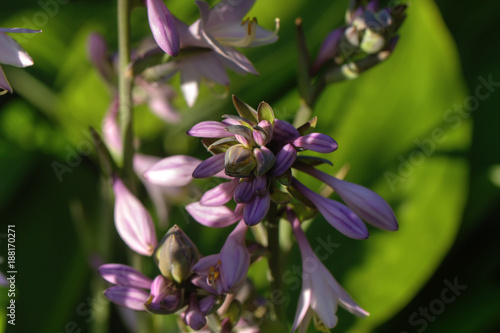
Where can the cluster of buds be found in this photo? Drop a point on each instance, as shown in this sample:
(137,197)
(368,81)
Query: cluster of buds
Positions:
(185,279)
(369,38)
(256,152)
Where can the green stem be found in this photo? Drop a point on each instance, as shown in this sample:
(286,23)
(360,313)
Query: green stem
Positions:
(125,90)
(277,294)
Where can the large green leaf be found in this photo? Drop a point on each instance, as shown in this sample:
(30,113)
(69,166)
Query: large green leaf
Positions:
(394,130)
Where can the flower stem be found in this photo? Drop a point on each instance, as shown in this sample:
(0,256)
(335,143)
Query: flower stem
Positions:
(277,294)
(125,91)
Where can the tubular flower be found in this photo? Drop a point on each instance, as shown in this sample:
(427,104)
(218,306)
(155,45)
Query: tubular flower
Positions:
(11,53)
(227,271)
(256,152)
(320,293)
(163,27)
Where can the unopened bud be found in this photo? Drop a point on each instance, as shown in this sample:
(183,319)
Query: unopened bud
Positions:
(176,255)
(239,161)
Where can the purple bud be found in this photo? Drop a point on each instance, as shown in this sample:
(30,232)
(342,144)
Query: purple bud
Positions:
(98,54)
(209,167)
(283,131)
(329,48)
(243,192)
(215,217)
(367,204)
(111,130)
(259,185)
(338,215)
(209,129)
(235,259)
(219,195)
(193,316)
(131,298)
(124,275)
(206,304)
(164,298)
(284,160)
(265,160)
(163,26)
(239,161)
(132,221)
(317,142)
(256,210)
(172,171)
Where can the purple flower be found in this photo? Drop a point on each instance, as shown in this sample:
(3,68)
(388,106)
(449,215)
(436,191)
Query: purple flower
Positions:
(222,28)
(163,27)
(11,53)
(367,204)
(132,221)
(320,293)
(226,272)
(256,151)
(128,297)
(124,275)
(172,171)
(193,317)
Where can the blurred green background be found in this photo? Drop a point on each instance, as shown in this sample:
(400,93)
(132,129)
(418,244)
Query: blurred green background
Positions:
(414,129)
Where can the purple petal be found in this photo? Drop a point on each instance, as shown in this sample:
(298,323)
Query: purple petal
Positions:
(284,160)
(124,275)
(131,298)
(318,142)
(367,204)
(163,27)
(283,131)
(235,259)
(193,316)
(256,210)
(172,171)
(219,195)
(11,53)
(227,13)
(203,265)
(338,215)
(243,192)
(132,221)
(259,185)
(209,129)
(215,217)
(19,30)
(207,303)
(343,297)
(209,167)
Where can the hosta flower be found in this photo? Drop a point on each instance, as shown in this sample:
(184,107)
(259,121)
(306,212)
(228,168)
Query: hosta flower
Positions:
(227,271)
(256,151)
(11,53)
(320,293)
(223,28)
(209,45)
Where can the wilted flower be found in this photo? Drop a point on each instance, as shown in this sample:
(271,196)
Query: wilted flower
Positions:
(11,53)
(320,293)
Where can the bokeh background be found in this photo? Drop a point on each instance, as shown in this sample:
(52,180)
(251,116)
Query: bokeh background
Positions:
(414,129)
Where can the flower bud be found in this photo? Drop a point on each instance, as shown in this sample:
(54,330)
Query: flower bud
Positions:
(176,255)
(239,161)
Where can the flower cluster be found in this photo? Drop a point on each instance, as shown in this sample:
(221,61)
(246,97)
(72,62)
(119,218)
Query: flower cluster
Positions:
(369,37)
(184,279)
(256,152)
